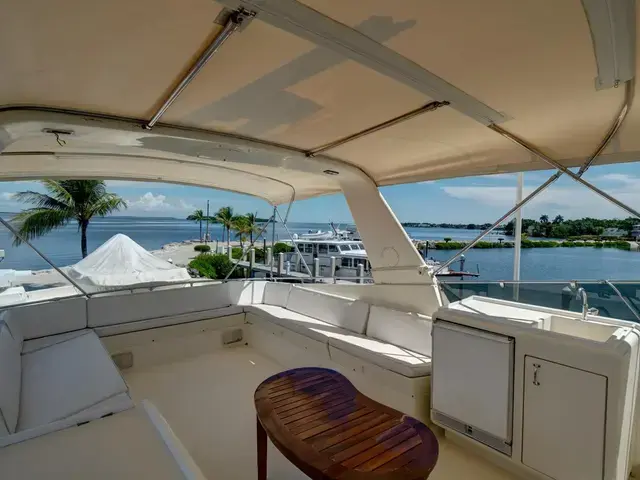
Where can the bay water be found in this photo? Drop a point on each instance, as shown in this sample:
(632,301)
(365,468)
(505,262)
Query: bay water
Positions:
(62,246)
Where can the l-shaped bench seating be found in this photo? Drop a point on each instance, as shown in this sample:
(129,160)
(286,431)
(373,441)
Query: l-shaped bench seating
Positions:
(399,342)
(44,388)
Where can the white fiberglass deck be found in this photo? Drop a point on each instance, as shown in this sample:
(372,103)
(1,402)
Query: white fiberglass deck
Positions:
(208,401)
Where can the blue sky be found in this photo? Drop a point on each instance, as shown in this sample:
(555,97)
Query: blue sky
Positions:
(463,200)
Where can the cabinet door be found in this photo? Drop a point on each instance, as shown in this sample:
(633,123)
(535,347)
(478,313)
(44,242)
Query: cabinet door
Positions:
(564,421)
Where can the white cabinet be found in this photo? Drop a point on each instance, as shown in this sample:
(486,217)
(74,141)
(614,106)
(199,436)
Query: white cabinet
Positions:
(563,431)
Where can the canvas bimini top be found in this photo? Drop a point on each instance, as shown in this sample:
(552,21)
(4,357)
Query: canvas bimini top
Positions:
(285,98)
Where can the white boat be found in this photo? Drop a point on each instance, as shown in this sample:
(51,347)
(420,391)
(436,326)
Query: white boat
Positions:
(288,100)
(341,259)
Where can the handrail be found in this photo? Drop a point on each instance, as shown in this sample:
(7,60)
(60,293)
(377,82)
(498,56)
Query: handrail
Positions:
(626,302)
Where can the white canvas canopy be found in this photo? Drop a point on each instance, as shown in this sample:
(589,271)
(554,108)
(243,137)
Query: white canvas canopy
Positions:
(121,262)
(312,72)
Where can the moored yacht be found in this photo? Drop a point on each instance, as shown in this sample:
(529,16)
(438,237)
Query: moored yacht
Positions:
(288,100)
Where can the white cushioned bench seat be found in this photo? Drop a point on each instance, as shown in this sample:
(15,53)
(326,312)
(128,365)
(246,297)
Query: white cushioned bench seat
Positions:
(66,379)
(395,340)
(391,357)
(294,321)
(136,444)
(311,314)
(55,382)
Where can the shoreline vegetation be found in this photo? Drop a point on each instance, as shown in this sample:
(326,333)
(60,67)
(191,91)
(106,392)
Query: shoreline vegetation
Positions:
(587,229)
(526,243)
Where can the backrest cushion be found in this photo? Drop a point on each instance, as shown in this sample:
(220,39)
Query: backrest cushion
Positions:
(408,330)
(12,321)
(276,294)
(10,373)
(48,318)
(113,309)
(339,311)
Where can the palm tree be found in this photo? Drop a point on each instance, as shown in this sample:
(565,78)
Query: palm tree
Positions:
(558,219)
(544,219)
(241,227)
(65,200)
(252,224)
(225,217)
(198,216)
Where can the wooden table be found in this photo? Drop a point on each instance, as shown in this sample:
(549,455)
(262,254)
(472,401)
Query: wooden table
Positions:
(329,430)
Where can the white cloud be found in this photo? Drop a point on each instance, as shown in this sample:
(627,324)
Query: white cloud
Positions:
(7,195)
(149,201)
(569,201)
(158,203)
(619,178)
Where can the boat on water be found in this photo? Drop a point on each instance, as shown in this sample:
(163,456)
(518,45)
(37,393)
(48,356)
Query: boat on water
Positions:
(289,100)
(343,259)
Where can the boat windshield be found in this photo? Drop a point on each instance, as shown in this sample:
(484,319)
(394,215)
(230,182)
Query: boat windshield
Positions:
(562,295)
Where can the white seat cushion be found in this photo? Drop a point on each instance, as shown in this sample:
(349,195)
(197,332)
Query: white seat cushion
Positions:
(407,330)
(391,357)
(296,322)
(9,379)
(339,311)
(65,379)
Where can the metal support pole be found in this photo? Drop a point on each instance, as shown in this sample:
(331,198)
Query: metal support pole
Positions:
(518,231)
(316,268)
(333,267)
(233,23)
(563,169)
(42,255)
(252,261)
(269,259)
(629,93)
(206,235)
(429,107)
(273,240)
(245,250)
(280,263)
(361,273)
(295,245)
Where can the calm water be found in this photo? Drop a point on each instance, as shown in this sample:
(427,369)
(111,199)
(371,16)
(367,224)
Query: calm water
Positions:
(63,248)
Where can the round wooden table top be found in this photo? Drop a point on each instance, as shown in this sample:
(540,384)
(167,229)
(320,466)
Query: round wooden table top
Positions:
(330,430)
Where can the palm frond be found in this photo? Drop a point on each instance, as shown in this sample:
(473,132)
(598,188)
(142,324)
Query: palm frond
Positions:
(42,200)
(58,190)
(108,203)
(225,216)
(36,222)
(197,216)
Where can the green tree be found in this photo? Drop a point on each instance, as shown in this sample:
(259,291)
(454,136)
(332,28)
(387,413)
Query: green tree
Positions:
(226,218)
(558,219)
(198,216)
(251,225)
(240,225)
(65,200)
(544,219)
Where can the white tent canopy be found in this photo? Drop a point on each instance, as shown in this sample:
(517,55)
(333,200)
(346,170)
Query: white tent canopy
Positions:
(121,262)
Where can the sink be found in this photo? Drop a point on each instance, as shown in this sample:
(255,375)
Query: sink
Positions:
(589,330)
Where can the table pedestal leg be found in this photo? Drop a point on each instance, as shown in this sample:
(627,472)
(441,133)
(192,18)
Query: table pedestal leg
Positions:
(261,437)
